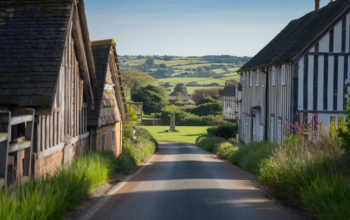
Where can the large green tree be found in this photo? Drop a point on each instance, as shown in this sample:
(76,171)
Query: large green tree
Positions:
(180,89)
(134,79)
(154,98)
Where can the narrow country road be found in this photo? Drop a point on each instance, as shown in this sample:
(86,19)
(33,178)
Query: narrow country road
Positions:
(185,182)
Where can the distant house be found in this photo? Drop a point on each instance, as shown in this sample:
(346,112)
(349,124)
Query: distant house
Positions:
(229,102)
(304,69)
(105,120)
(184,98)
(46,70)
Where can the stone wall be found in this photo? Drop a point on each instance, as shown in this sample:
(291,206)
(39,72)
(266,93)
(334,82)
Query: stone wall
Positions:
(110,146)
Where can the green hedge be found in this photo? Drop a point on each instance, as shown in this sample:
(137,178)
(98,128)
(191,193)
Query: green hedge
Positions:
(225,130)
(206,109)
(183,118)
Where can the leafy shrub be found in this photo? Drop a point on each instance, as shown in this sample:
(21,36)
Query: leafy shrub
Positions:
(142,146)
(209,144)
(205,100)
(225,130)
(213,108)
(185,119)
(125,163)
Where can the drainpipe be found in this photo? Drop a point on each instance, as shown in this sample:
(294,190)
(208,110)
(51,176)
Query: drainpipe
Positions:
(266,101)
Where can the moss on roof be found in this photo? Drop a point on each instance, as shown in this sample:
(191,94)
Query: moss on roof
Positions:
(99,43)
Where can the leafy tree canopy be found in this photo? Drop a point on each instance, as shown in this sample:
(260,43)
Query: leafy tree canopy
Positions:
(134,78)
(154,98)
(150,62)
(180,89)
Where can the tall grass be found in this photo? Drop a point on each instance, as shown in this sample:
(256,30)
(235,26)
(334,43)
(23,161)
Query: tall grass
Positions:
(142,146)
(52,195)
(312,173)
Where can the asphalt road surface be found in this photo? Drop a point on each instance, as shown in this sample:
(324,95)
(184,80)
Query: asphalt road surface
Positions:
(185,182)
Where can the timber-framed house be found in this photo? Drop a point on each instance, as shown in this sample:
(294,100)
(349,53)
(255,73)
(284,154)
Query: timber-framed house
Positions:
(229,102)
(105,120)
(46,65)
(304,70)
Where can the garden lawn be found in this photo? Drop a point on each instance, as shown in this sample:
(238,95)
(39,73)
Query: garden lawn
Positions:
(187,133)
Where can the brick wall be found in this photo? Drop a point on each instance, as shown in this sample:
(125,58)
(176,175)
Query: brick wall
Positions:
(115,147)
(52,162)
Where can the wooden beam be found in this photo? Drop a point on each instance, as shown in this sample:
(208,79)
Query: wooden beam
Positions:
(51,151)
(3,136)
(21,119)
(19,146)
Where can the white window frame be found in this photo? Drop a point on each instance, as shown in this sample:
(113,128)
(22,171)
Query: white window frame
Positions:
(283,75)
(279,131)
(336,118)
(257,77)
(104,141)
(273,78)
(272,128)
(251,78)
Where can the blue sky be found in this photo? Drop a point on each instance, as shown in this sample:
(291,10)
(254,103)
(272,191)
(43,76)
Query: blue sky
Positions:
(192,27)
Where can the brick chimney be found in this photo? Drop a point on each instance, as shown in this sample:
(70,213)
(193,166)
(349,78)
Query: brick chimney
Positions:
(317,4)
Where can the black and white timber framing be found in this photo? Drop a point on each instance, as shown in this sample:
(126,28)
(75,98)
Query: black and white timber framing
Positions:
(304,69)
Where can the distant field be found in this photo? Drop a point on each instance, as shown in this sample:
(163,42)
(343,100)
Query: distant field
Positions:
(187,133)
(186,63)
(218,70)
(190,90)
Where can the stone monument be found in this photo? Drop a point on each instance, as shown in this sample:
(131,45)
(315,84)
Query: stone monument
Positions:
(172,123)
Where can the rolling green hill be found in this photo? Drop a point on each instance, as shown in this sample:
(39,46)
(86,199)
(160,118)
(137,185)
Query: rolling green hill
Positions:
(203,70)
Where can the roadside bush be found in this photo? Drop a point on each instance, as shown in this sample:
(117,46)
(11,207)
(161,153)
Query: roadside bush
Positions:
(209,144)
(125,163)
(225,130)
(52,195)
(250,156)
(213,108)
(205,99)
(183,118)
(142,146)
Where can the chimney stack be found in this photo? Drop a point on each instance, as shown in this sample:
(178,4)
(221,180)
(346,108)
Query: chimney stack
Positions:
(317,4)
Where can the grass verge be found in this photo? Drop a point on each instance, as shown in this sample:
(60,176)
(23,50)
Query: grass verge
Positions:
(51,196)
(187,133)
